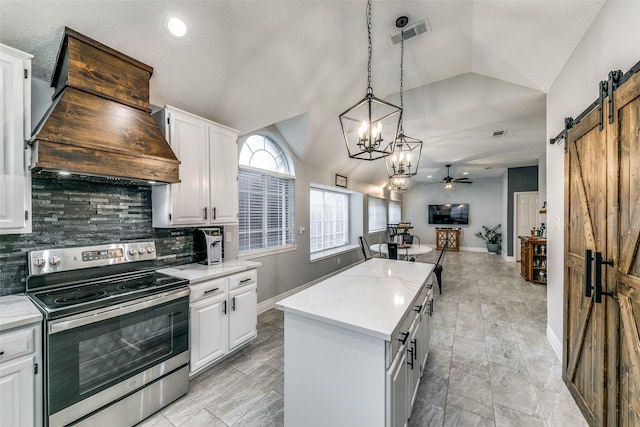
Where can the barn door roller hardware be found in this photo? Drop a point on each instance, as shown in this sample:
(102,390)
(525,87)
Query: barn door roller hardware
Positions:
(607,87)
(605,91)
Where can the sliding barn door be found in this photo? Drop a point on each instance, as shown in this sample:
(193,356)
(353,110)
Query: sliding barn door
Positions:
(584,367)
(627,134)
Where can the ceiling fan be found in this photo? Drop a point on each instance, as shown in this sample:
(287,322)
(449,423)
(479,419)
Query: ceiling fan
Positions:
(448,182)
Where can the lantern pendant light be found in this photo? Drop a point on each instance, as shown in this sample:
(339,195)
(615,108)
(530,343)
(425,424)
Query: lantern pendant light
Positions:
(364,123)
(403,162)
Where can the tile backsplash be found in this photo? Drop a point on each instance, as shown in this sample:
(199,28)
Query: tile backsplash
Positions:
(69,212)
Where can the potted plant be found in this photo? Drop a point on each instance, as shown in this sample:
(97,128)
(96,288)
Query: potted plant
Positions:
(492,236)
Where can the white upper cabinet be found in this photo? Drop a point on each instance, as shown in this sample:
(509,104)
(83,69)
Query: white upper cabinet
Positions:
(223,178)
(15,110)
(207,193)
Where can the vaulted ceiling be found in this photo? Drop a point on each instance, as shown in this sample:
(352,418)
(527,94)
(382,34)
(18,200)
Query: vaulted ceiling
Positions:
(483,66)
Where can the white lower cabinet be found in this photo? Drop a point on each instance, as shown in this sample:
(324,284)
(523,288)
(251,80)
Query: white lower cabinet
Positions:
(242,317)
(20,377)
(397,390)
(209,332)
(223,317)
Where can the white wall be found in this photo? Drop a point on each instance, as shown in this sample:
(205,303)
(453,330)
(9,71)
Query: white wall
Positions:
(612,42)
(484,197)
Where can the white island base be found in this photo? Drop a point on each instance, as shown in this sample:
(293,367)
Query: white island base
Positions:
(356,345)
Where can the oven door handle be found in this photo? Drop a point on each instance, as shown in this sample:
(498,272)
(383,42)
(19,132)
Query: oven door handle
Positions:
(115,311)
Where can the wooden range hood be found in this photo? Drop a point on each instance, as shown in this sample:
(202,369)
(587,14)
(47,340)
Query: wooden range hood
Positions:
(99,123)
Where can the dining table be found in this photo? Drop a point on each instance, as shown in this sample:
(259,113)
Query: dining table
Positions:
(403,249)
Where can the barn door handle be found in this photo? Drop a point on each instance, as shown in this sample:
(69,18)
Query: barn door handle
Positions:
(598,277)
(587,272)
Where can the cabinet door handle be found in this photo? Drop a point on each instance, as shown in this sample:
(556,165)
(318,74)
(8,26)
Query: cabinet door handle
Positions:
(204,214)
(587,273)
(233,303)
(211,290)
(215,213)
(415,348)
(418,308)
(430,308)
(245,280)
(224,307)
(405,336)
(411,357)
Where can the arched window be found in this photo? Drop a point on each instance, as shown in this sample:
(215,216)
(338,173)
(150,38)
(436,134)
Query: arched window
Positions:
(266,196)
(261,152)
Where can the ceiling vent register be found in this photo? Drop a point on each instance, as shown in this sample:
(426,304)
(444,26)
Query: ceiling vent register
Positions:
(413,30)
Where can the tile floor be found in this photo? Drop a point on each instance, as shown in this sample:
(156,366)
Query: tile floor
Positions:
(490,363)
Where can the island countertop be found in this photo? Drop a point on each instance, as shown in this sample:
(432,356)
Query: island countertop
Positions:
(371,297)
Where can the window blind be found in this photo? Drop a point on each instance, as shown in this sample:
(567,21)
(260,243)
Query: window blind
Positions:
(395,212)
(266,210)
(377,214)
(328,219)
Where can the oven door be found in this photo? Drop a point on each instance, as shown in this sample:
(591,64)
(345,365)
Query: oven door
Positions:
(97,357)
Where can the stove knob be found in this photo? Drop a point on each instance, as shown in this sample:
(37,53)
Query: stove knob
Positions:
(142,251)
(150,249)
(39,262)
(133,252)
(54,261)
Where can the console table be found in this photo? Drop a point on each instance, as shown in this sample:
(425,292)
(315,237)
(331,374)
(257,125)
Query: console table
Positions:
(451,235)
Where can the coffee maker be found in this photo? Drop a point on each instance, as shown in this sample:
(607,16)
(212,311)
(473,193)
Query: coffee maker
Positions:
(213,243)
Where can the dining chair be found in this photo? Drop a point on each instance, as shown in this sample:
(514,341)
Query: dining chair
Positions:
(409,239)
(364,246)
(392,250)
(438,268)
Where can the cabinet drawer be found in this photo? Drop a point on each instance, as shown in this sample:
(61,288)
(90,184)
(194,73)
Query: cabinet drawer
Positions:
(208,288)
(17,343)
(242,279)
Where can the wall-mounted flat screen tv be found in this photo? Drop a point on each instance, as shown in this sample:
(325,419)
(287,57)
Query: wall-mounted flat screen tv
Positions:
(449,213)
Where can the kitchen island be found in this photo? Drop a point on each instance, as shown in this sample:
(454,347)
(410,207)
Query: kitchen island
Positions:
(356,345)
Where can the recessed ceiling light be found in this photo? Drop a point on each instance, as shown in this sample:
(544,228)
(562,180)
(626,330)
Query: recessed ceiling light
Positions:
(465,173)
(177,27)
(428,176)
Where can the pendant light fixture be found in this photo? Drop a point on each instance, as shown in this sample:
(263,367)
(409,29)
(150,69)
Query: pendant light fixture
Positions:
(364,123)
(398,184)
(403,162)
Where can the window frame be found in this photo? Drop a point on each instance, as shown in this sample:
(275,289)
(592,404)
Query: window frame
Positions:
(382,209)
(288,221)
(345,221)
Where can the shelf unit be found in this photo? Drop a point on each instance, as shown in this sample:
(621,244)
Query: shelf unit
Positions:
(533,259)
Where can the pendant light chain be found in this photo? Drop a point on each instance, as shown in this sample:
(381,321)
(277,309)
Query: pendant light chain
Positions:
(401,78)
(369,88)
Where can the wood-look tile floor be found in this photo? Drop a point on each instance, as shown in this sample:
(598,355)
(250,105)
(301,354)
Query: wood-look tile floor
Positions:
(490,363)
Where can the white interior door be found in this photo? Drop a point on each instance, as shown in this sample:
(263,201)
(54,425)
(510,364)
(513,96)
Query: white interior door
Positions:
(526,211)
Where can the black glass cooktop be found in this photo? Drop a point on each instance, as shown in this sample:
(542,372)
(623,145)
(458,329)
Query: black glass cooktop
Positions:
(80,297)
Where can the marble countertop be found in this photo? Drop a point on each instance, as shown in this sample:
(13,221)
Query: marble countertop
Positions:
(196,273)
(370,298)
(17,310)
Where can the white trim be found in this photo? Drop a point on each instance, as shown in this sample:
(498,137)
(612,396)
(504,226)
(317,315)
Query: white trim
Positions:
(271,302)
(515,217)
(319,256)
(266,252)
(507,257)
(555,342)
(267,172)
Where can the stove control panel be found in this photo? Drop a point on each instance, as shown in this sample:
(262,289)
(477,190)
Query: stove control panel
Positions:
(67,259)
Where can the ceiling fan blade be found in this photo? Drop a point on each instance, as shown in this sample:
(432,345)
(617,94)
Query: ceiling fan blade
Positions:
(460,179)
(464,182)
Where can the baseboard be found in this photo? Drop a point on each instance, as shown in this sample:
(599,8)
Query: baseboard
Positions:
(508,258)
(555,342)
(271,302)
